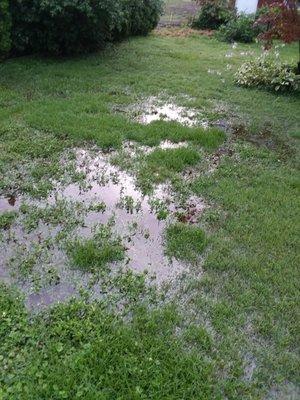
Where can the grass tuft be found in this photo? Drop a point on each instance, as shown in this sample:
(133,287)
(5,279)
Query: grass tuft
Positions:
(161,165)
(95,253)
(185,242)
(7,219)
(154,133)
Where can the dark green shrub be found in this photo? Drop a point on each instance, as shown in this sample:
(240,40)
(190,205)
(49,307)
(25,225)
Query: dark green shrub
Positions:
(24,25)
(142,15)
(5,28)
(212,15)
(240,29)
(63,27)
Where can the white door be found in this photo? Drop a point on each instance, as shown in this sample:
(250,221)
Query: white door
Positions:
(246,6)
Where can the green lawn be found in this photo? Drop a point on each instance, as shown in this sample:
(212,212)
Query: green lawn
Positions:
(229,328)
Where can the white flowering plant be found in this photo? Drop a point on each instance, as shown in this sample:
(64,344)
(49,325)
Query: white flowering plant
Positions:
(267,71)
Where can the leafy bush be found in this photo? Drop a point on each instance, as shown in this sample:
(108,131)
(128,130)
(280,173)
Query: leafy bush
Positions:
(142,15)
(63,26)
(267,72)
(77,26)
(212,15)
(240,29)
(5,28)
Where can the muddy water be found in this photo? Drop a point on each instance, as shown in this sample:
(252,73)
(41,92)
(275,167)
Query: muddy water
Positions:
(107,194)
(166,144)
(156,109)
(9,203)
(168,112)
(135,220)
(132,150)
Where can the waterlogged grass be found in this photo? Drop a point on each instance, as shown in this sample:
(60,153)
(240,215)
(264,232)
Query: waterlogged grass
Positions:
(28,168)
(84,352)
(62,213)
(185,242)
(232,333)
(7,219)
(253,265)
(59,104)
(174,160)
(161,165)
(95,253)
(158,131)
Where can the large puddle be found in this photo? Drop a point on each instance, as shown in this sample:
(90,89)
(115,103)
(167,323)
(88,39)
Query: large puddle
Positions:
(134,216)
(106,195)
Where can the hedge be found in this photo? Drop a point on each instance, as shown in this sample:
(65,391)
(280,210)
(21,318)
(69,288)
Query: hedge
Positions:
(5,28)
(64,27)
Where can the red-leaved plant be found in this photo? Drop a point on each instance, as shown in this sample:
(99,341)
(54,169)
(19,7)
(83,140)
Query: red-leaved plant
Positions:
(281,20)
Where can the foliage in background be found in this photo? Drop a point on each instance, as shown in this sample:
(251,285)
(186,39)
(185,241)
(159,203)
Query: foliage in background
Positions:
(5,28)
(142,15)
(282,21)
(227,3)
(267,71)
(213,14)
(63,27)
(240,29)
